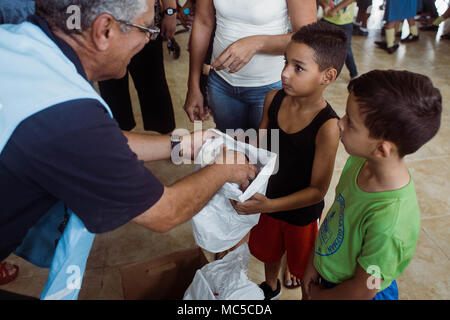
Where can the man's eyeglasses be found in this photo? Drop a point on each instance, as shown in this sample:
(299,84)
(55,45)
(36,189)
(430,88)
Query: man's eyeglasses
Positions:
(152,33)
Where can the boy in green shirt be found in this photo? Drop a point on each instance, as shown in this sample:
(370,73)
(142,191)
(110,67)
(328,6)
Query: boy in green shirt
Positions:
(370,233)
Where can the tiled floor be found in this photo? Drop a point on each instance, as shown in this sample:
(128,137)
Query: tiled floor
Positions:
(427,277)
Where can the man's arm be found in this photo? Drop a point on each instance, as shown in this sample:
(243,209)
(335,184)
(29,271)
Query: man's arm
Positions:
(187,197)
(150,147)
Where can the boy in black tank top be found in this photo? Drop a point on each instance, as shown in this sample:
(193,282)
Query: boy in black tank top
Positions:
(308,142)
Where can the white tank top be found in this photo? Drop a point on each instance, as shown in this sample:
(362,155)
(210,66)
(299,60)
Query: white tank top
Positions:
(237,19)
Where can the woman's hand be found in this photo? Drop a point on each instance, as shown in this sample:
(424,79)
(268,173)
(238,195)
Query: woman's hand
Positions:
(194,106)
(237,55)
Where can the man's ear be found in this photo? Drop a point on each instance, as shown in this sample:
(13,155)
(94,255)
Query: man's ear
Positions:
(103,31)
(328,76)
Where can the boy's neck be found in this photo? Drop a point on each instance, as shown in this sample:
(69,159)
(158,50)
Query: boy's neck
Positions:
(386,174)
(310,102)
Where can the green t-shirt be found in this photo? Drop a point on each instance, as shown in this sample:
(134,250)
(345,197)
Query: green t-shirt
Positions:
(344,16)
(378,231)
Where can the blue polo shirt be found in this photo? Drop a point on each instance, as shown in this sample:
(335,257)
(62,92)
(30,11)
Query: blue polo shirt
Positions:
(75,153)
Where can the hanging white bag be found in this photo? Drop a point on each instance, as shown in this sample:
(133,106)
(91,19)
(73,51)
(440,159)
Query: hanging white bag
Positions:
(225,279)
(218,227)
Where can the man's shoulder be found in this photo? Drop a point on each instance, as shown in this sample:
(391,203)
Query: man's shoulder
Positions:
(69,116)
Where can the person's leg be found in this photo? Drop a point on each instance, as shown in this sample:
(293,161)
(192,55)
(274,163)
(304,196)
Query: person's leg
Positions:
(299,242)
(271,271)
(349,60)
(147,70)
(266,244)
(116,94)
(227,109)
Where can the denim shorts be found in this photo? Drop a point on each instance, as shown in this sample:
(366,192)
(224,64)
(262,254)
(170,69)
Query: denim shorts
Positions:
(236,107)
(390,293)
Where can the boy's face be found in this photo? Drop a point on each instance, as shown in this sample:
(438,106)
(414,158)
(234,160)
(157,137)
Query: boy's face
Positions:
(301,75)
(354,133)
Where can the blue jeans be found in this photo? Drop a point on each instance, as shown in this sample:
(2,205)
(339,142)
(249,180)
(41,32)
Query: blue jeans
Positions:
(390,293)
(236,107)
(349,60)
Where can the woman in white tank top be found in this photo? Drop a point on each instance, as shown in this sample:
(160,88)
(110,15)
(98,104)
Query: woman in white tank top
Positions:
(247,58)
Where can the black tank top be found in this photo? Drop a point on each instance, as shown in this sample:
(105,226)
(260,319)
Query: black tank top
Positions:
(295,161)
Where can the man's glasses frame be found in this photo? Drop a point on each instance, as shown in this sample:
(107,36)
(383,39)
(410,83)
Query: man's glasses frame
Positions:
(152,33)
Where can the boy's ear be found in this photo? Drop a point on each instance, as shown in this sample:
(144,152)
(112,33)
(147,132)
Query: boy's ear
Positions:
(384,149)
(328,76)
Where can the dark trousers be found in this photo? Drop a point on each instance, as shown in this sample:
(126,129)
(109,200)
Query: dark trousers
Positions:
(349,60)
(147,70)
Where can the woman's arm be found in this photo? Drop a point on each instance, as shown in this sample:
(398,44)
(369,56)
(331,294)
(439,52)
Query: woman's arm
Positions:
(204,21)
(238,54)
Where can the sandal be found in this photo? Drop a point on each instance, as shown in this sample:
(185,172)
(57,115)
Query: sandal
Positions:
(287,283)
(5,275)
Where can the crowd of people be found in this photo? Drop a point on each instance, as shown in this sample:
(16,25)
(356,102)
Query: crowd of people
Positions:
(266,68)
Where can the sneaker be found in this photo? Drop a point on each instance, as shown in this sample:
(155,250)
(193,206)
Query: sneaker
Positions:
(410,38)
(430,27)
(270,294)
(358,32)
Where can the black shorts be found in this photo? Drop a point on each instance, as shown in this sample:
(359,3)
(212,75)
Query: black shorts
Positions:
(363,5)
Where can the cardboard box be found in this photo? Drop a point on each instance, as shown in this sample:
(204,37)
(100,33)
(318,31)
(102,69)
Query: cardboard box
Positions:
(163,278)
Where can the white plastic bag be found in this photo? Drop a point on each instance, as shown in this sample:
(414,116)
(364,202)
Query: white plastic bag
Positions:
(218,227)
(225,279)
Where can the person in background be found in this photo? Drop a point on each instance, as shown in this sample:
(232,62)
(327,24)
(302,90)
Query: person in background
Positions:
(147,70)
(396,12)
(341,13)
(360,24)
(15,11)
(246,59)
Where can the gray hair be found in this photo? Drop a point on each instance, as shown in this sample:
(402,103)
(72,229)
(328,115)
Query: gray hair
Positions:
(55,11)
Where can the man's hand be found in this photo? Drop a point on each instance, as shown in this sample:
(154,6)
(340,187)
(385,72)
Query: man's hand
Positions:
(256,204)
(237,166)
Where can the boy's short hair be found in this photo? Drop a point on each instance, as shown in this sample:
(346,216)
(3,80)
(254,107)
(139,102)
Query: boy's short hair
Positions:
(328,41)
(399,106)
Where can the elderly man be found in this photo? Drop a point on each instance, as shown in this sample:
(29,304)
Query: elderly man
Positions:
(58,142)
